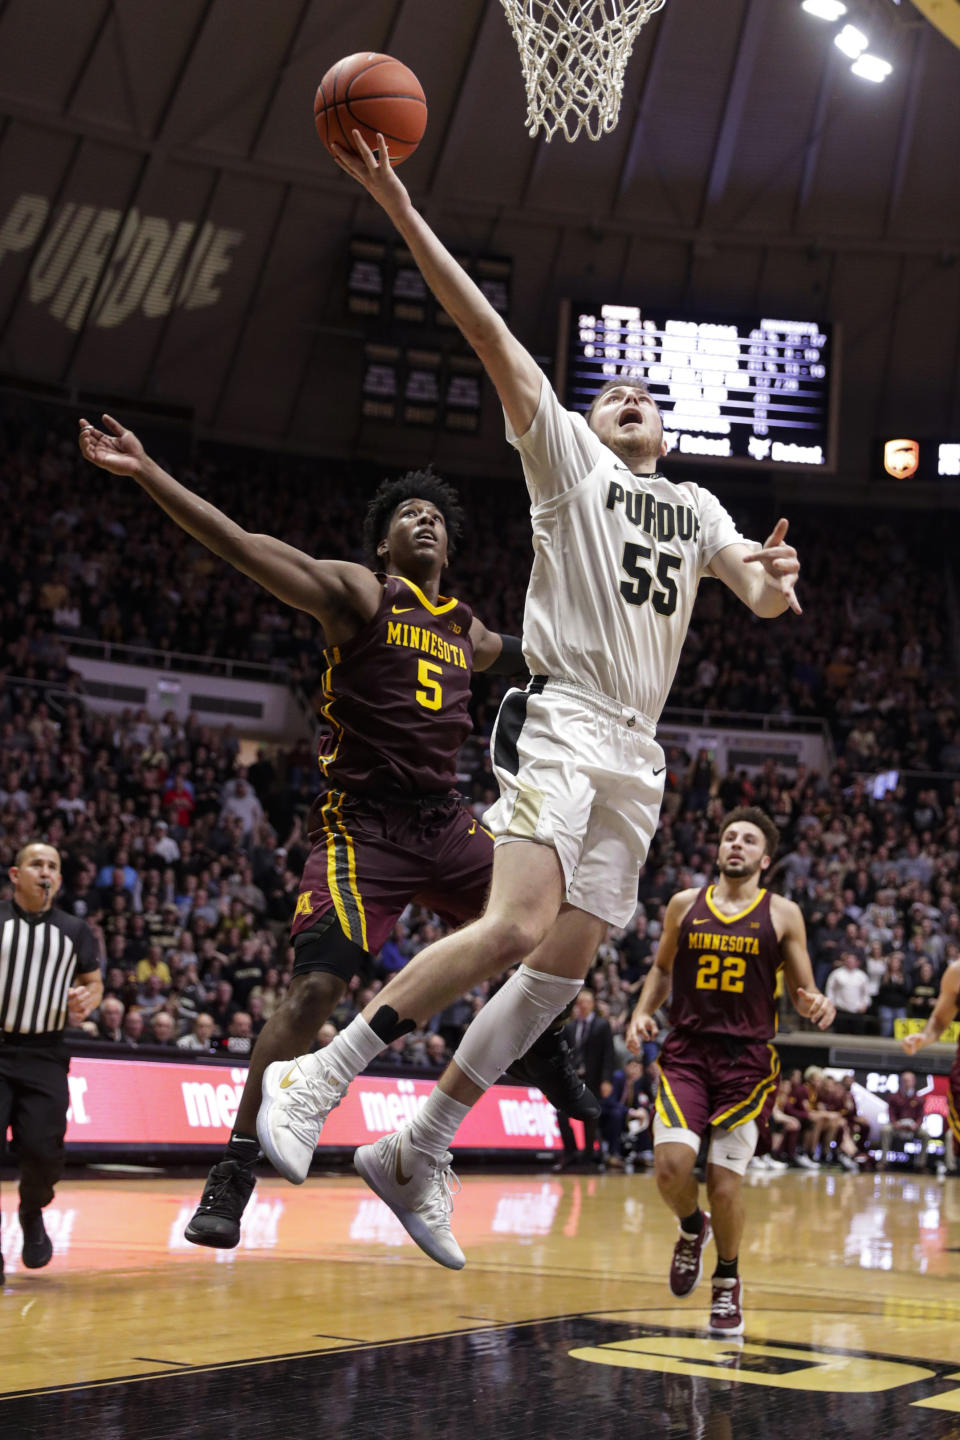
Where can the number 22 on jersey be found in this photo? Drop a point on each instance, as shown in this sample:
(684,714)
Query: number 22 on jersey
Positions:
(723,972)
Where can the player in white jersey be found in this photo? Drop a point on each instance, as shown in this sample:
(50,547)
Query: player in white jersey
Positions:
(619,552)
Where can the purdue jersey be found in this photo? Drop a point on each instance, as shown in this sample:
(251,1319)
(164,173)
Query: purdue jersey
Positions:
(725,970)
(617,561)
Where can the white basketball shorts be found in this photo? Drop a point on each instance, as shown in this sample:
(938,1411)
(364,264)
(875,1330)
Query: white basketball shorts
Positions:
(583,773)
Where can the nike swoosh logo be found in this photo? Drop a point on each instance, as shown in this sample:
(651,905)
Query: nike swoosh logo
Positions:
(407,610)
(699,922)
(289,1078)
(660,771)
(401,1178)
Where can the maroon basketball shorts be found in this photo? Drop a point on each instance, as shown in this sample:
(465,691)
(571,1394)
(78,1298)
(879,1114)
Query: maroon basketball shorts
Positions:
(953,1099)
(713,1080)
(370,859)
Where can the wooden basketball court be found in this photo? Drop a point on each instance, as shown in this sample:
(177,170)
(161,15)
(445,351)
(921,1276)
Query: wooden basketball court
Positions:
(327,1321)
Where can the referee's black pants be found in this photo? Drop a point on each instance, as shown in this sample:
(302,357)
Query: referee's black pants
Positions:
(34,1099)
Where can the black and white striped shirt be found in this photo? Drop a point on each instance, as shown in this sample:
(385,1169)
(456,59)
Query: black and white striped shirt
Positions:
(39,957)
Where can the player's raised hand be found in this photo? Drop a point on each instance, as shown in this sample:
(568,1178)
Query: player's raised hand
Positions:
(780,562)
(819,1009)
(373,171)
(642,1027)
(113,449)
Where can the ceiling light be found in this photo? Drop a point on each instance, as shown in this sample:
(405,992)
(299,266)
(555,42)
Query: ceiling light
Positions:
(825,9)
(870,67)
(851,41)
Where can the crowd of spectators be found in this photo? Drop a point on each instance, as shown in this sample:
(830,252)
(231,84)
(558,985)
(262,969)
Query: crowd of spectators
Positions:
(183,848)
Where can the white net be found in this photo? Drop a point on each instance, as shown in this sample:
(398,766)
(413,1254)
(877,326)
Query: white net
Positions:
(574,56)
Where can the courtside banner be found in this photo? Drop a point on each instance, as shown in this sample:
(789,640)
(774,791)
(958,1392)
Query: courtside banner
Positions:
(143,1103)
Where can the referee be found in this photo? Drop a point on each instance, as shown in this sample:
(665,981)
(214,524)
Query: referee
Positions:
(49,968)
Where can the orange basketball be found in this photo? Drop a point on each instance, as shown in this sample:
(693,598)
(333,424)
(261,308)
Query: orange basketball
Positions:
(370,93)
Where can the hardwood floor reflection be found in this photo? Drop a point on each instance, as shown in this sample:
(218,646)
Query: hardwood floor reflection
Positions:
(851,1296)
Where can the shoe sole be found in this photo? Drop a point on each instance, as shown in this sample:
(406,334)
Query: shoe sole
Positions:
(36,1264)
(269,1093)
(722,1331)
(419,1233)
(210,1241)
(682,1294)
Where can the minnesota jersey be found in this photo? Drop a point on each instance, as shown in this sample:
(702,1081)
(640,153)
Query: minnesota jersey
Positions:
(617,561)
(396,696)
(725,970)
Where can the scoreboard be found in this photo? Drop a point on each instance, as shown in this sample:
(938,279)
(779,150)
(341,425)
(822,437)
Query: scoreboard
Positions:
(755,391)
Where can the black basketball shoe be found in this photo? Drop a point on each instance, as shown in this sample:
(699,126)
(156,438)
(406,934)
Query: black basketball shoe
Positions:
(216,1220)
(548,1064)
(37,1245)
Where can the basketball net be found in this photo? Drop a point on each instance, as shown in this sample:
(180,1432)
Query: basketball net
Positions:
(574,56)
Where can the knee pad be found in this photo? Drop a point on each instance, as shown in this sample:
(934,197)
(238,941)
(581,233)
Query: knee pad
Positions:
(508,1024)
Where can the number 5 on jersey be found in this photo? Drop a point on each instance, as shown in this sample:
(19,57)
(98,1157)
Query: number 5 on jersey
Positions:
(431,696)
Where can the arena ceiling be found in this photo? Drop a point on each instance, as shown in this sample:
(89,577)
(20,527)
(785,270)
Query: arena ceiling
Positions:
(171,230)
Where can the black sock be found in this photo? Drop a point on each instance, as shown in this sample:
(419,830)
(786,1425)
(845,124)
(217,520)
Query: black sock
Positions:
(245,1149)
(726,1269)
(693,1224)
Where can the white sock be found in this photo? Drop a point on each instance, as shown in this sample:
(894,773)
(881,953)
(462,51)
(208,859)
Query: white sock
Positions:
(351,1051)
(436,1123)
(508,1024)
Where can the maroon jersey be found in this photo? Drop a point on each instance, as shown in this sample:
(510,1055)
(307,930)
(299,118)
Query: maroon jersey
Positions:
(396,696)
(725,971)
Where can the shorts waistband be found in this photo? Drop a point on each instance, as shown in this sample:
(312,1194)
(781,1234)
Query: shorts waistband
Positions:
(594,700)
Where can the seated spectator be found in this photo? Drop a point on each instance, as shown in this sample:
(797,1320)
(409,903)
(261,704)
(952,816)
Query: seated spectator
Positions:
(395,952)
(847,988)
(436,1056)
(161,1030)
(239,1037)
(785,1127)
(906,1107)
(110,1024)
(153,963)
(270,993)
(222,1009)
(626,1116)
(133,1027)
(200,1036)
(328,1032)
(151,997)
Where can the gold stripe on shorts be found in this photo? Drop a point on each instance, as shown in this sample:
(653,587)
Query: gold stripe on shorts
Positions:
(750,1108)
(342,872)
(667,1107)
(952,1117)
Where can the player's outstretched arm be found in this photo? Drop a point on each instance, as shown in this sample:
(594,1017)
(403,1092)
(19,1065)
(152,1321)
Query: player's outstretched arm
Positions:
(765,579)
(808,1001)
(942,1013)
(320,587)
(656,987)
(515,374)
(495,653)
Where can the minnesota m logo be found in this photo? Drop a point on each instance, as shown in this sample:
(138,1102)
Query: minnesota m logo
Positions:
(303,904)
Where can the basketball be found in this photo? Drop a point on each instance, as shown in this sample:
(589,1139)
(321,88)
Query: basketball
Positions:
(370,93)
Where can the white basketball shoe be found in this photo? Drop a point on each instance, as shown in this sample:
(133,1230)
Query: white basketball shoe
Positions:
(298,1095)
(418,1190)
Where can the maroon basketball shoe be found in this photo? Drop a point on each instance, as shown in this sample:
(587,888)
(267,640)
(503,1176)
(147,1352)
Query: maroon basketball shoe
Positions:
(686,1267)
(726,1314)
